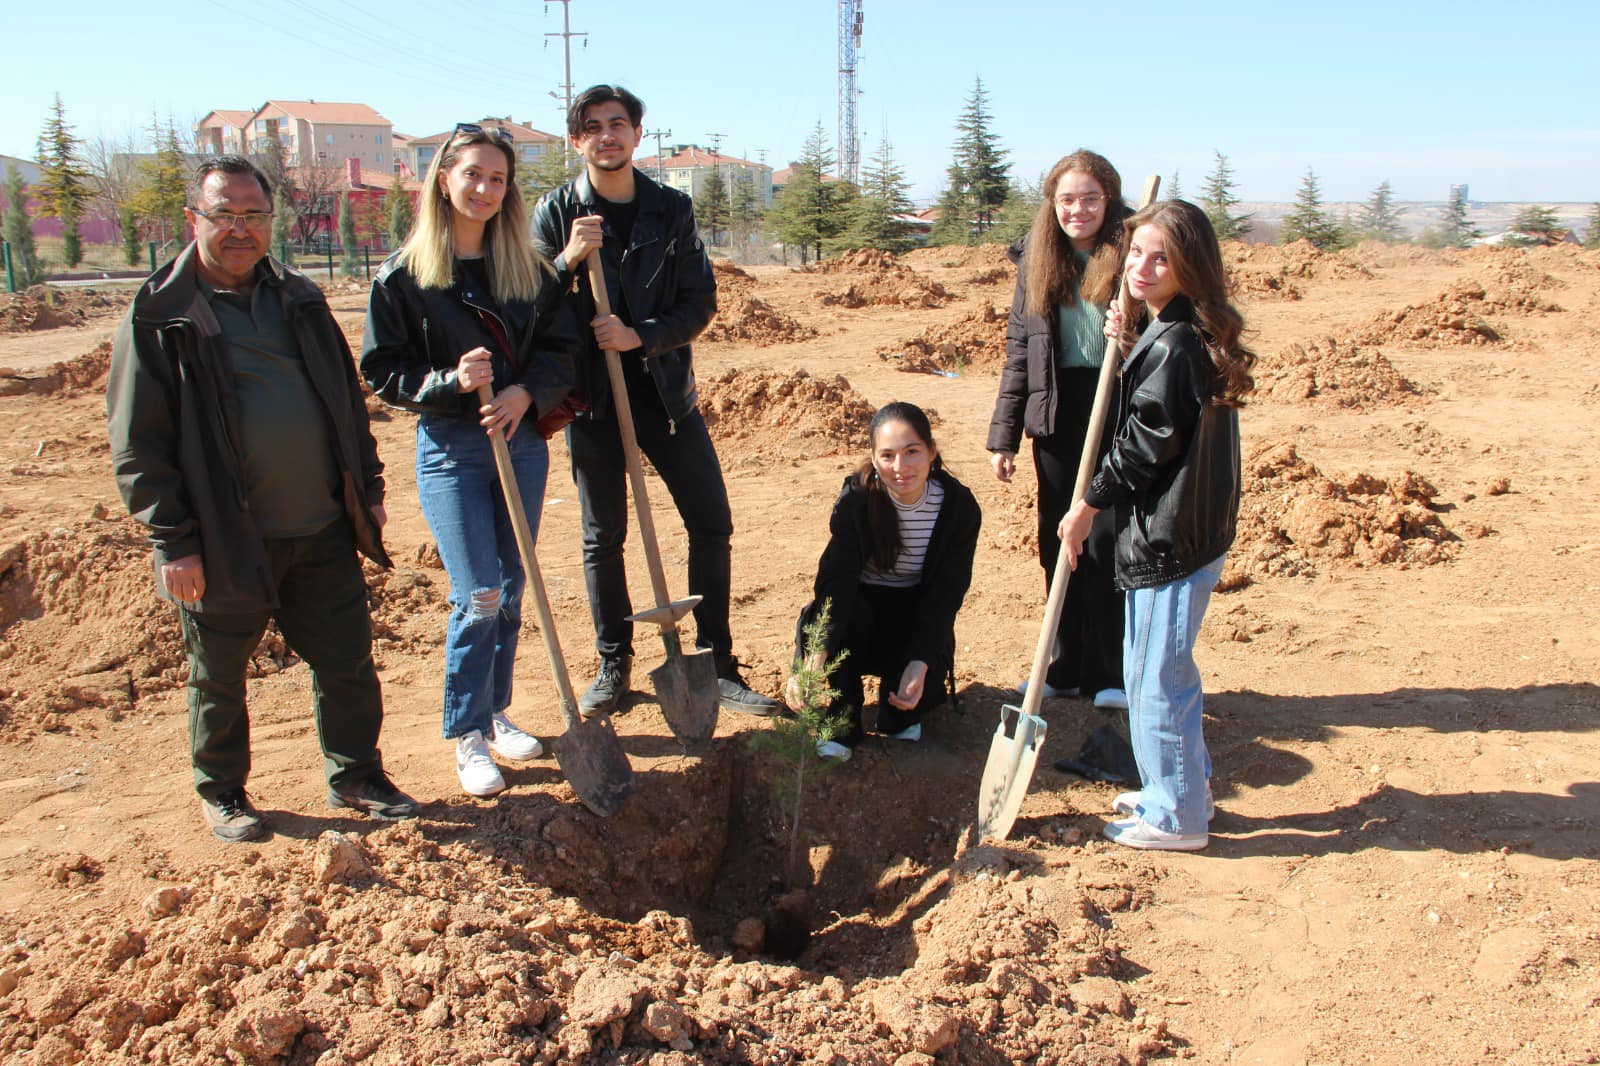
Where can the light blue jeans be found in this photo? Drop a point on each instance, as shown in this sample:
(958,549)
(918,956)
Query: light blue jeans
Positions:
(460,494)
(1165,714)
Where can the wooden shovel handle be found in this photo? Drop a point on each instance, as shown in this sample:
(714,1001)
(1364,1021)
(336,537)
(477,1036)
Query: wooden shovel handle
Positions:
(630,445)
(530,564)
(1105,389)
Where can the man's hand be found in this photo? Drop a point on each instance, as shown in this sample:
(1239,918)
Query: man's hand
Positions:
(184,579)
(585,239)
(911,682)
(1005,464)
(1074,530)
(612,334)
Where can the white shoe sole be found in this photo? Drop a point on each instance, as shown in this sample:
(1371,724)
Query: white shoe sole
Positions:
(1132,833)
(1128,802)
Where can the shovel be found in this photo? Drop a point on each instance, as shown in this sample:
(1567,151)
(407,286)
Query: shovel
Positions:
(1014,751)
(589,753)
(685,684)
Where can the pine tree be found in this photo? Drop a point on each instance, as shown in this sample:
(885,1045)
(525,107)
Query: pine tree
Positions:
(1016,214)
(1592,239)
(164,186)
(19,230)
(979,178)
(1380,220)
(884,194)
(282,226)
(1309,221)
(1219,201)
(1453,231)
(1174,189)
(64,189)
(349,261)
(1536,224)
(551,169)
(745,213)
(712,205)
(401,211)
(130,236)
(810,211)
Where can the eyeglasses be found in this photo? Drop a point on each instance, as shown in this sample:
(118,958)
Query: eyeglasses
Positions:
(230,219)
(472,128)
(1088,203)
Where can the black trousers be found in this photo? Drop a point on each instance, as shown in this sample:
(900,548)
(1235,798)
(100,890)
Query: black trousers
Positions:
(687,463)
(877,635)
(1088,650)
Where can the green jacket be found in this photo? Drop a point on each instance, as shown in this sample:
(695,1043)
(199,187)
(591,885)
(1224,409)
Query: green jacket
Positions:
(173,418)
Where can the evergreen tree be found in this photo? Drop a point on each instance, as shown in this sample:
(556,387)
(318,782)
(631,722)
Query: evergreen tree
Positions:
(745,213)
(712,205)
(401,211)
(282,226)
(1592,239)
(884,194)
(1174,189)
(1309,221)
(130,236)
(349,261)
(19,230)
(64,189)
(164,185)
(1453,231)
(1380,219)
(1536,224)
(1016,214)
(1219,200)
(809,212)
(978,176)
(551,169)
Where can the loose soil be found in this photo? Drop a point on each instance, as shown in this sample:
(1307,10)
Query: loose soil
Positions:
(48,307)
(974,342)
(881,282)
(1400,708)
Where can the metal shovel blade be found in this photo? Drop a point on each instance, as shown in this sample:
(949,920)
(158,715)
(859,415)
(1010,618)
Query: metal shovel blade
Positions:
(1009,770)
(591,758)
(686,688)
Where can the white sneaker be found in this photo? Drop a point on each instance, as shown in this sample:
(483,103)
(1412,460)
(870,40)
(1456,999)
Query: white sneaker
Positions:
(832,749)
(1138,833)
(911,732)
(476,769)
(1050,691)
(1128,802)
(509,742)
(1110,699)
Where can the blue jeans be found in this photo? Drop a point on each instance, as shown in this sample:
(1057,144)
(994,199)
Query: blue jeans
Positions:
(459,489)
(1165,715)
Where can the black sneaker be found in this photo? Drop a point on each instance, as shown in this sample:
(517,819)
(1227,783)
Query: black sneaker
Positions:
(734,695)
(231,817)
(375,795)
(608,688)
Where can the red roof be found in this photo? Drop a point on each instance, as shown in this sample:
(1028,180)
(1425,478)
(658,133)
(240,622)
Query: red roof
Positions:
(326,113)
(694,156)
(236,119)
(518,131)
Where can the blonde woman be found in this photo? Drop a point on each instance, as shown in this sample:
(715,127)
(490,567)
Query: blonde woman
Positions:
(467,302)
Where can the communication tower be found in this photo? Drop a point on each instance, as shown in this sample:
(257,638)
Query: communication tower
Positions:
(849,56)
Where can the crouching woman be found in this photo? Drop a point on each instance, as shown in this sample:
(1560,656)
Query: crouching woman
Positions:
(895,571)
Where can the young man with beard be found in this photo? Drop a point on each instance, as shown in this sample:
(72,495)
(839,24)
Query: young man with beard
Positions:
(662,294)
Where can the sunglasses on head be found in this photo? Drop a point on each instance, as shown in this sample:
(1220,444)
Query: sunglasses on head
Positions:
(472,128)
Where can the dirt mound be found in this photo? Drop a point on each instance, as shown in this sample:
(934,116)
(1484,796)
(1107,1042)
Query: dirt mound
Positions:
(993,276)
(976,340)
(48,307)
(732,282)
(983,256)
(889,285)
(1328,372)
(770,413)
(1456,316)
(1294,520)
(86,371)
(1377,254)
(859,260)
(1298,259)
(754,321)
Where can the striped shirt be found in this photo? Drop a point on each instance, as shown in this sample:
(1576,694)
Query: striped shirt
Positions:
(916,529)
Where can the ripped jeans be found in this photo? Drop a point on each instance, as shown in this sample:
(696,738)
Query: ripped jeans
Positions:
(459,490)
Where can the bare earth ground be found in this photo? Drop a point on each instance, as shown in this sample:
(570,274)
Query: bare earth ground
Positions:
(1402,711)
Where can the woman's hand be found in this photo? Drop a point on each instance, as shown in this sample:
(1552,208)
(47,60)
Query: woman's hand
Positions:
(1004,463)
(794,695)
(1114,329)
(474,370)
(506,410)
(1074,530)
(909,694)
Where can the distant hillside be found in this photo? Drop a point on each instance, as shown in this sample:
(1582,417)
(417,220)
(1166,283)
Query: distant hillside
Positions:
(1417,216)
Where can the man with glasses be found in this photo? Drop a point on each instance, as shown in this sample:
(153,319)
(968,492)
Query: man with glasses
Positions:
(239,438)
(662,295)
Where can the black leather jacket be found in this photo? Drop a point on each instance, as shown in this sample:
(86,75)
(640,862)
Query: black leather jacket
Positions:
(1173,469)
(415,337)
(1028,382)
(664,272)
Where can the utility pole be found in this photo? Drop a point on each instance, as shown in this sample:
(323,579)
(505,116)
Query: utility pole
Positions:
(661,163)
(849,56)
(566,36)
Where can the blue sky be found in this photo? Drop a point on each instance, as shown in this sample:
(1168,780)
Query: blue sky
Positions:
(1421,93)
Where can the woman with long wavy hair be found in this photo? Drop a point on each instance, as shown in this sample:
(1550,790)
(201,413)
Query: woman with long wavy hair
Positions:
(468,302)
(1067,268)
(1171,479)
